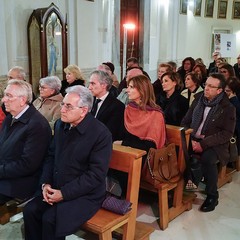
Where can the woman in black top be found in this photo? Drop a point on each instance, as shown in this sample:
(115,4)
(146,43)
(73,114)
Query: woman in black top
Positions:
(73,77)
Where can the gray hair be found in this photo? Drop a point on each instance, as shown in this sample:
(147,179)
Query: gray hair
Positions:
(86,98)
(24,89)
(20,72)
(103,78)
(53,82)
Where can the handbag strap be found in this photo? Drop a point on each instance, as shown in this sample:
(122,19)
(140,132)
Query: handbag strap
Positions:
(185,151)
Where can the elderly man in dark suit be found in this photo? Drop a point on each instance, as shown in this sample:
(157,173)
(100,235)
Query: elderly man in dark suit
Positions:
(106,108)
(73,180)
(24,140)
(212,118)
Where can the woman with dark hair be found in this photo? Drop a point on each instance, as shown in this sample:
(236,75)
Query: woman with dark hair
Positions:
(192,83)
(174,105)
(157,85)
(226,70)
(201,71)
(233,85)
(187,66)
(143,118)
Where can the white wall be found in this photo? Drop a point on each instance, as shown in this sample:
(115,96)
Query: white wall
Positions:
(180,36)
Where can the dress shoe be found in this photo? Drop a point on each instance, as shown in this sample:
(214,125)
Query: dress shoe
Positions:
(209,204)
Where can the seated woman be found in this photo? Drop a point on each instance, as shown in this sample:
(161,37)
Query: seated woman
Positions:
(144,121)
(233,85)
(48,103)
(73,77)
(173,104)
(192,83)
(157,85)
(143,118)
(201,71)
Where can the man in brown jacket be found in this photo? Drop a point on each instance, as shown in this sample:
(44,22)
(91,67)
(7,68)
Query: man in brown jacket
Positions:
(213,119)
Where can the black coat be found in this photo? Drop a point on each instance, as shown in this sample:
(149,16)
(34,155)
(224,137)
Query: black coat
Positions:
(65,85)
(77,164)
(174,108)
(22,149)
(111,113)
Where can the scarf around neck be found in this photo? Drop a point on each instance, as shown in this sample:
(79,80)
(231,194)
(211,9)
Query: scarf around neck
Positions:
(146,125)
(198,111)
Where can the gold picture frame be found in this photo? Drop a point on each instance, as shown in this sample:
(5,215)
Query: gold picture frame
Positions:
(222,8)
(197,8)
(209,7)
(236,10)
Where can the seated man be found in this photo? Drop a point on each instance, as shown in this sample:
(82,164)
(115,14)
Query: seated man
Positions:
(24,140)
(73,179)
(212,118)
(131,72)
(106,108)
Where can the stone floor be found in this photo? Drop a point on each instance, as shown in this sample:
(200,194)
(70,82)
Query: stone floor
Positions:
(221,224)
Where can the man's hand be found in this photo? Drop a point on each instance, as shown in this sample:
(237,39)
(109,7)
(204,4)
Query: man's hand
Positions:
(51,195)
(196,147)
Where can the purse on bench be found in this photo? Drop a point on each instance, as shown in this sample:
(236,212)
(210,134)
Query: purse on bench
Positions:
(119,206)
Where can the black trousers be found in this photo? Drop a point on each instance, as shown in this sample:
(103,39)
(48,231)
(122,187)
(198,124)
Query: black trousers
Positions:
(40,220)
(209,162)
(4,199)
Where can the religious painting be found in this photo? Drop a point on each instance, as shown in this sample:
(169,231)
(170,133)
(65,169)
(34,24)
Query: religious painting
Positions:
(209,7)
(197,8)
(222,8)
(183,6)
(236,10)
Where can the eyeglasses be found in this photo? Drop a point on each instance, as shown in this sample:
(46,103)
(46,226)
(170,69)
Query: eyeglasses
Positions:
(43,88)
(209,85)
(10,97)
(68,106)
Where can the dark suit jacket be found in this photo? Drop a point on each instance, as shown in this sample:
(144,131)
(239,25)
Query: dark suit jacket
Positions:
(22,149)
(111,113)
(77,164)
(220,130)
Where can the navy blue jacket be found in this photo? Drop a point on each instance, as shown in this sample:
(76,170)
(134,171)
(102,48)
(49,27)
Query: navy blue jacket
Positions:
(77,164)
(23,147)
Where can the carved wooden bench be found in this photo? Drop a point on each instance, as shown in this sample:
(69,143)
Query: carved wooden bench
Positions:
(104,222)
(181,201)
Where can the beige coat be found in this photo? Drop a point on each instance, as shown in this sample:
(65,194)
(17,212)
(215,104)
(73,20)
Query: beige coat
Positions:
(49,107)
(185,94)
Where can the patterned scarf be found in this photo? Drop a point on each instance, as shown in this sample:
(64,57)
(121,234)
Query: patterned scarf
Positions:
(147,125)
(198,111)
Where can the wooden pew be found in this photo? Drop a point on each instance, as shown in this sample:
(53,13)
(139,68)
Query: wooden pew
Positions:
(181,201)
(104,223)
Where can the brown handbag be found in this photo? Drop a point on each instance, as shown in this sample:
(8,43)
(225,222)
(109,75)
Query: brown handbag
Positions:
(161,166)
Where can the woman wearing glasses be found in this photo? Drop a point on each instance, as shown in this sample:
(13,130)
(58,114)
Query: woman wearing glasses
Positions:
(48,103)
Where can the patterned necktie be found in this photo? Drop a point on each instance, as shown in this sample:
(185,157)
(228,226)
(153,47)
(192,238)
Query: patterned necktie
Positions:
(95,106)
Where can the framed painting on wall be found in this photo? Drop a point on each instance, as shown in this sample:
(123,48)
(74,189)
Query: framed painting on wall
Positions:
(197,8)
(222,8)
(183,6)
(236,10)
(209,7)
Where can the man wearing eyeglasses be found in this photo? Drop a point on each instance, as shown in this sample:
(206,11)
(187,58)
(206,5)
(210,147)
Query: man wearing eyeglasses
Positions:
(212,118)
(24,140)
(73,180)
